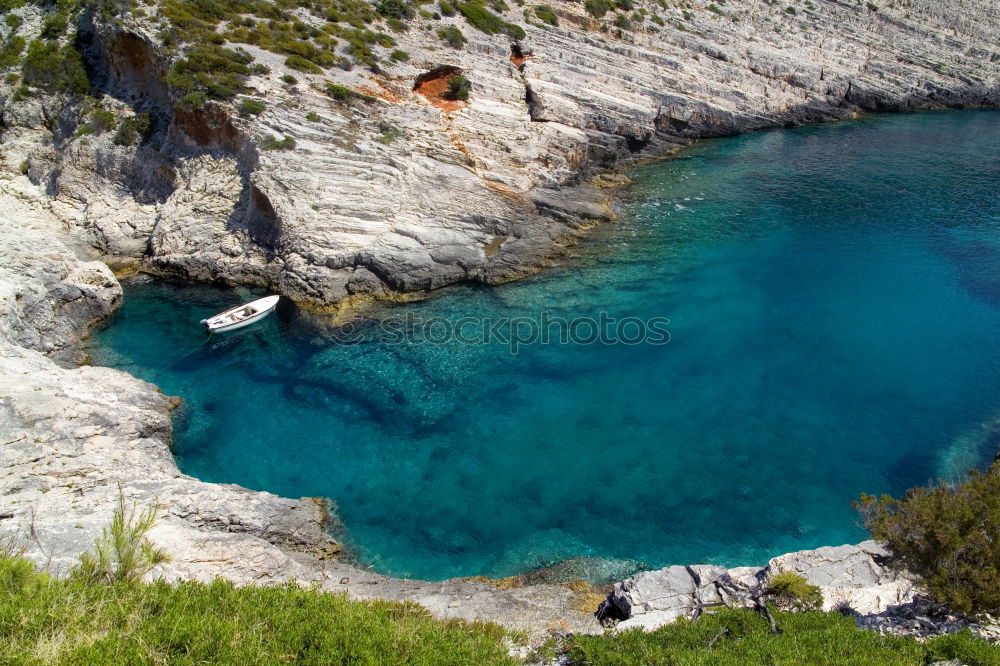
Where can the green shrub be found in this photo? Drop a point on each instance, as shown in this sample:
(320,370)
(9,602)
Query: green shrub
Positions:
(452,36)
(63,622)
(251,107)
(546,15)
(359,44)
(123,554)
(483,19)
(101,121)
(794,592)
(10,5)
(10,54)
(389,133)
(18,575)
(737,637)
(447,9)
(216,71)
(301,64)
(872,6)
(271,143)
(54,25)
(397,9)
(623,22)
(712,7)
(289,79)
(399,55)
(312,117)
(458,88)
(133,130)
(195,100)
(790,10)
(55,69)
(597,8)
(397,25)
(343,94)
(949,535)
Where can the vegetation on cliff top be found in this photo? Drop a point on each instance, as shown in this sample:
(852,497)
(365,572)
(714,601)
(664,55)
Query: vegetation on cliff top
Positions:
(53,61)
(739,637)
(103,614)
(948,534)
(483,19)
(44,620)
(49,621)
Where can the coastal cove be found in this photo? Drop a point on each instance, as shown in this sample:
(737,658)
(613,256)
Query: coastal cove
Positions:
(820,346)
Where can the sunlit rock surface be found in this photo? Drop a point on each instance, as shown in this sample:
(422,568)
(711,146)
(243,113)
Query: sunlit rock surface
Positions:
(398,194)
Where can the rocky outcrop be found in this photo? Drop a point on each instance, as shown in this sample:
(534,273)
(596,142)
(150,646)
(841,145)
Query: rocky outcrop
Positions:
(853,580)
(391,193)
(854,577)
(402,191)
(850,577)
(71,439)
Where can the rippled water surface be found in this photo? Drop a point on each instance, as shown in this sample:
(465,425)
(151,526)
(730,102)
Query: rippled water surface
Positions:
(834,305)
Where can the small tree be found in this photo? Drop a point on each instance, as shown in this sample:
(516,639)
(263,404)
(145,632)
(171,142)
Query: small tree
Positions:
(251,107)
(948,535)
(123,553)
(458,88)
(546,14)
(133,130)
(452,36)
(794,592)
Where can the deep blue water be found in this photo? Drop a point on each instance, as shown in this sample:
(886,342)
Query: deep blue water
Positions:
(834,304)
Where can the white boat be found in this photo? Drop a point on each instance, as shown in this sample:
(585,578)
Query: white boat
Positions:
(241,315)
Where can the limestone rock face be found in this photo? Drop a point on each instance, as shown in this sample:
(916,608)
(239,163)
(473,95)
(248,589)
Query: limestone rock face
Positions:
(396,194)
(47,297)
(849,577)
(72,436)
(405,192)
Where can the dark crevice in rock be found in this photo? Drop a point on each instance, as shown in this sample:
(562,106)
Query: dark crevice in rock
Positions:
(262,221)
(636,144)
(124,65)
(442,72)
(535,108)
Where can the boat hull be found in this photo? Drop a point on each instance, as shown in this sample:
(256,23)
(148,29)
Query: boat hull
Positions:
(234,319)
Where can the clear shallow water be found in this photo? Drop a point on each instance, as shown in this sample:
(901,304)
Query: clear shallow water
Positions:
(834,305)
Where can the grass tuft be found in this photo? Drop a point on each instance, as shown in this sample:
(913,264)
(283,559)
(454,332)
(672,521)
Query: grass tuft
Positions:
(739,637)
(48,621)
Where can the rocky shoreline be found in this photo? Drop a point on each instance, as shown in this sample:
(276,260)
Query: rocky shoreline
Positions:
(487,191)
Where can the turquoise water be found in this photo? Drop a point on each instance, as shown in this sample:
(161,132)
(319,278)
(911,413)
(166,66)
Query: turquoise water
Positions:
(834,304)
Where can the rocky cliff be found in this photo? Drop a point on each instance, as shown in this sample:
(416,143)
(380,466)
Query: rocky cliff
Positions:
(379,185)
(369,176)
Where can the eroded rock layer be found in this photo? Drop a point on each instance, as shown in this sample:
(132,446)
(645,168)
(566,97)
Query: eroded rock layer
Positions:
(396,190)
(384,186)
